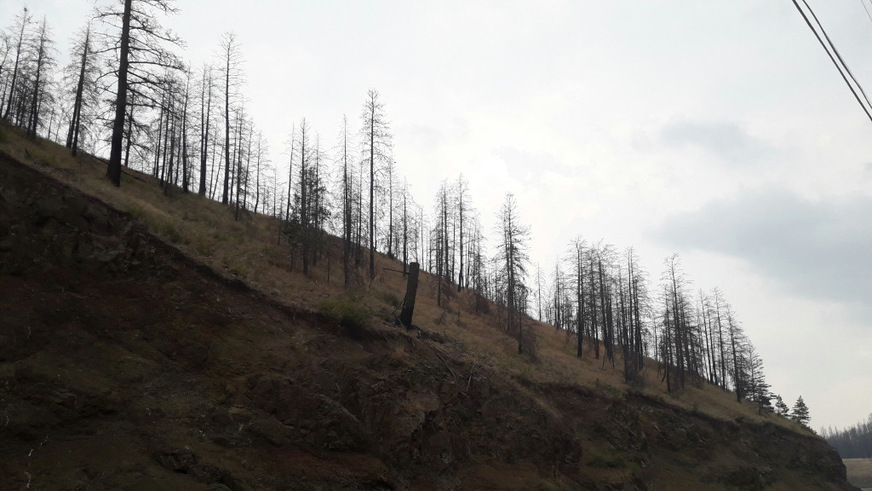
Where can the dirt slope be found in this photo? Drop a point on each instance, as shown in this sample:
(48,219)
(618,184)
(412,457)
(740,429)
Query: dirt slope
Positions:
(126,365)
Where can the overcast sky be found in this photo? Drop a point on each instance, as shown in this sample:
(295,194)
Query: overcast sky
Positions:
(718,130)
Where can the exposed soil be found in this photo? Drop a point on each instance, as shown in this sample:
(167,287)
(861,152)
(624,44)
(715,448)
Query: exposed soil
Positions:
(126,365)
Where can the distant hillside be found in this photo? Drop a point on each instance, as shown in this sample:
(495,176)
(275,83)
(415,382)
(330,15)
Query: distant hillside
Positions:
(151,341)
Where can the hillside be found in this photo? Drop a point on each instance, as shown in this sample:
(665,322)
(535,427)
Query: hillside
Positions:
(151,342)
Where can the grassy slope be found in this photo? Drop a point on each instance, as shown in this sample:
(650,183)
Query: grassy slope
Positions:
(247,250)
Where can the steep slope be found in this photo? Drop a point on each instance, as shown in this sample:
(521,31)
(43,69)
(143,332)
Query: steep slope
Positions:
(126,364)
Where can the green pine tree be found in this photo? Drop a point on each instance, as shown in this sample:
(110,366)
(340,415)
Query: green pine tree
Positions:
(800,412)
(781,408)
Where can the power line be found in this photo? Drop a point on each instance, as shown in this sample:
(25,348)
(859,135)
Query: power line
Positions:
(833,53)
(866,9)
(839,56)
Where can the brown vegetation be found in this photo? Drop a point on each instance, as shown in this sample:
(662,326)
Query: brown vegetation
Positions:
(191,353)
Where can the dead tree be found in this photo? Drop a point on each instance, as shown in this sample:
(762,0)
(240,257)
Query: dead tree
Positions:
(141,49)
(231,60)
(205,122)
(22,23)
(376,140)
(43,61)
(409,299)
(85,86)
(513,250)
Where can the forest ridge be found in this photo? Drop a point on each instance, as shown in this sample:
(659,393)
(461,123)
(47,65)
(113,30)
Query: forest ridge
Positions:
(127,90)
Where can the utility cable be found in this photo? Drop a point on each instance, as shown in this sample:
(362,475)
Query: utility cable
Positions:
(838,55)
(863,3)
(833,58)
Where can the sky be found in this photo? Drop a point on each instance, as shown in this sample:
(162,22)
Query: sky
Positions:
(717,130)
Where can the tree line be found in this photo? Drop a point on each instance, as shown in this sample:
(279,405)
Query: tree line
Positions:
(603,299)
(126,89)
(854,442)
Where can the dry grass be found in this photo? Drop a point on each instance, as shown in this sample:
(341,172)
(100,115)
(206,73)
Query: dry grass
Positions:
(859,472)
(248,250)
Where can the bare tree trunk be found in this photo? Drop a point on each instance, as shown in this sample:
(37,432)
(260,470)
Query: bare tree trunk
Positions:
(409,299)
(461,211)
(405,233)
(346,207)
(205,118)
(73,135)
(172,138)
(40,64)
(579,295)
(290,174)
(372,195)
(25,20)
(228,47)
(113,171)
(184,142)
(129,134)
(257,170)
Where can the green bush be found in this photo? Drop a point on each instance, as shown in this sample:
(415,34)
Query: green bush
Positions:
(138,212)
(346,312)
(170,232)
(391,299)
(155,225)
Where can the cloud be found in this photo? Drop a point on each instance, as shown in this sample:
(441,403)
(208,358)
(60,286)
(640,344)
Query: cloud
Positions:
(528,162)
(813,249)
(426,137)
(728,141)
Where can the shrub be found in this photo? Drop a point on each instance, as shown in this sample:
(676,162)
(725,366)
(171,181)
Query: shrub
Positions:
(346,312)
(169,231)
(391,299)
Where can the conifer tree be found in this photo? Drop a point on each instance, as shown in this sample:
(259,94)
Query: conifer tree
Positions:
(758,389)
(800,412)
(781,408)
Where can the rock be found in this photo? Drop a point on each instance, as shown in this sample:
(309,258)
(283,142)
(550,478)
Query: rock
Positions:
(178,461)
(98,217)
(274,432)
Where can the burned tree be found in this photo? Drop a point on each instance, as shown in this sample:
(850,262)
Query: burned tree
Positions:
(85,94)
(43,61)
(347,197)
(206,88)
(140,47)
(376,140)
(21,24)
(231,59)
(513,255)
